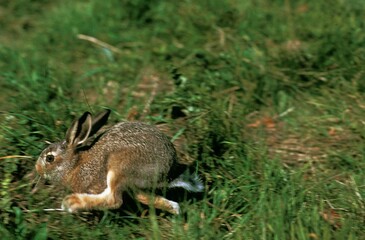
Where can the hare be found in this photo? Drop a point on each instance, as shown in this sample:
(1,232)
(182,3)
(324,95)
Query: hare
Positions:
(99,165)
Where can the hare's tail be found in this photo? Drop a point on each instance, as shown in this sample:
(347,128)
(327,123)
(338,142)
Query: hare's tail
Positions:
(188,181)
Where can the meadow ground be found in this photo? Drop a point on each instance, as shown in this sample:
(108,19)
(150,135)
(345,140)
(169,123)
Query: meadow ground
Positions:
(265,99)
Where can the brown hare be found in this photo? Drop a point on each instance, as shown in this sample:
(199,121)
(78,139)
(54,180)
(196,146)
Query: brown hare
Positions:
(99,165)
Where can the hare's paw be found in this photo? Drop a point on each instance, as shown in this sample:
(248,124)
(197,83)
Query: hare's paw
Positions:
(72,203)
(174,207)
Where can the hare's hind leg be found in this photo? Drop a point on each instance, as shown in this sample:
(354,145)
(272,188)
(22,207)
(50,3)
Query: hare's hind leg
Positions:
(159,202)
(109,198)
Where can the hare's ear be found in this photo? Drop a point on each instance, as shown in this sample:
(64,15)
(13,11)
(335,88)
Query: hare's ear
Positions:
(99,121)
(79,130)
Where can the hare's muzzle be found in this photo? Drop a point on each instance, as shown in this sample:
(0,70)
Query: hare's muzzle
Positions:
(39,168)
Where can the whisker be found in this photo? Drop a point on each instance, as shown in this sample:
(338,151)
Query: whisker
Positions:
(35,189)
(15,156)
(53,210)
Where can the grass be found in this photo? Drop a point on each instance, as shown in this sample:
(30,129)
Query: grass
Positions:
(265,98)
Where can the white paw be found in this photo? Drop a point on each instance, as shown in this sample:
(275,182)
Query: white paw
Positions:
(175,207)
(66,209)
(72,203)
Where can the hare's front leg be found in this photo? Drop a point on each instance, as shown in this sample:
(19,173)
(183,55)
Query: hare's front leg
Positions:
(109,198)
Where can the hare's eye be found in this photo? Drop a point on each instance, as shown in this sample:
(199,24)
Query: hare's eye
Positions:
(50,158)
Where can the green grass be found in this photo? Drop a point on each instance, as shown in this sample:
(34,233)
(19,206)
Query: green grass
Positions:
(222,73)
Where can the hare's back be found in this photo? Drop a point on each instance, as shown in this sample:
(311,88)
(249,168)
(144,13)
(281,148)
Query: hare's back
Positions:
(145,139)
(136,132)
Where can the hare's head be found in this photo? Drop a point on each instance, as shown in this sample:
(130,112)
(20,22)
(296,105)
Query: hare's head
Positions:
(59,158)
